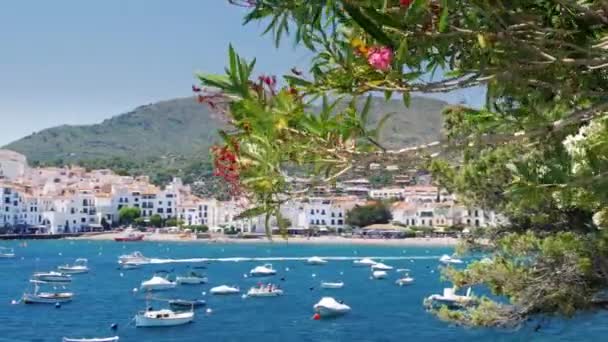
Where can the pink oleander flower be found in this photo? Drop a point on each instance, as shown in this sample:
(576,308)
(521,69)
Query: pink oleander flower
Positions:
(380,57)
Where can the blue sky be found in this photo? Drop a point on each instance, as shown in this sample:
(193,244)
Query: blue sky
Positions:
(79,62)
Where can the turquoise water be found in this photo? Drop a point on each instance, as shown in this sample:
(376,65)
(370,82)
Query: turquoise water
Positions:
(381,311)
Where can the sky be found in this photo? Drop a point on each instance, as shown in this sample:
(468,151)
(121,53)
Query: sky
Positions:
(80,62)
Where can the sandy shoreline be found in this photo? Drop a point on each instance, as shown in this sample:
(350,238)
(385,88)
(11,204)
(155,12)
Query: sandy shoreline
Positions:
(322,240)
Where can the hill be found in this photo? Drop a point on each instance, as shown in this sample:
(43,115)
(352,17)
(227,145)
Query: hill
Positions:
(182,127)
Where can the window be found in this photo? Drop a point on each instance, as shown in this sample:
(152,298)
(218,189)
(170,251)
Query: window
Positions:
(323,222)
(333,215)
(323,212)
(159,210)
(72,211)
(312,212)
(136,199)
(169,211)
(423,222)
(205,207)
(169,204)
(339,214)
(476,213)
(83,220)
(160,202)
(333,222)
(476,223)
(85,203)
(340,222)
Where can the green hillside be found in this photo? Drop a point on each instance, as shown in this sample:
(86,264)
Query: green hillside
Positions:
(173,138)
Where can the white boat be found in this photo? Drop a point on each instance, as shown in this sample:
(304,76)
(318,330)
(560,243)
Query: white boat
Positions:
(379,274)
(52,277)
(326,285)
(446,260)
(192,278)
(39,297)
(381,267)
(265,291)
(157,283)
(79,266)
(6,253)
(133,258)
(224,290)
(263,271)
(365,262)
(162,318)
(316,261)
(405,281)
(328,306)
(449,298)
(95,339)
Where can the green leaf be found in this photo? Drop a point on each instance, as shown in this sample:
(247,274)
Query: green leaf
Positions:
(407,98)
(443,19)
(368,25)
(297,81)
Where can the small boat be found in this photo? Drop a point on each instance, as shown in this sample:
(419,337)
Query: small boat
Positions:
(265,291)
(192,278)
(38,297)
(6,253)
(379,274)
(450,299)
(381,267)
(134,258)
(365,262)
(405,281)
(446,260)
(328,307)
(157,283)
(263,271)
(95,339)
(182,304)
(162,318)
(316,261)
(130,237)
(52,277)
(79,266)
(224,290)
(326,285)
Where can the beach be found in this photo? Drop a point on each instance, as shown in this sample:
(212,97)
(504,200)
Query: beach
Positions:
(317,240)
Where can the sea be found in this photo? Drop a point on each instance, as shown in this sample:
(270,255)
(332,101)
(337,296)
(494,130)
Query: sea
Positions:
(381,310)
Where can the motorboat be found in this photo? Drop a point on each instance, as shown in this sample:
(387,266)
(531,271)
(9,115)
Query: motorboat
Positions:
(6,253)
(183,304)
(265,291)
(379,274)
(450,299)
(407,280)
(328,307)
(39,297)
(381,267)
(191,278)
(446,260)
(135,258)
(157,283)
(52,277)
(224,290)
(365,262)
(95,339)
(163,318)
(79,266)
(327,285)
(130,237)
(263,271)
(316,261)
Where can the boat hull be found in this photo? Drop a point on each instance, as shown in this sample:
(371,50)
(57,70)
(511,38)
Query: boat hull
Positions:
(49,278)
(29,298)
(69,270)
(264,293)
(190,280)
(143,321)
(262,274)
(330,312)
(129,238)
(7,256)
(332,285)
(103,339)
(158,287)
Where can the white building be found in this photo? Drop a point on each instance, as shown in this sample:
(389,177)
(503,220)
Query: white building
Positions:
(319,212)
(12,165)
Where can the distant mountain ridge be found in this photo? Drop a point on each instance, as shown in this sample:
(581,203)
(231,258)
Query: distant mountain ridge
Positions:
(182,128)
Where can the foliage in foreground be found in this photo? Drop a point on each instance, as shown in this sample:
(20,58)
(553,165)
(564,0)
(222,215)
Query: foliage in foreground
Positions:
(537,151)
